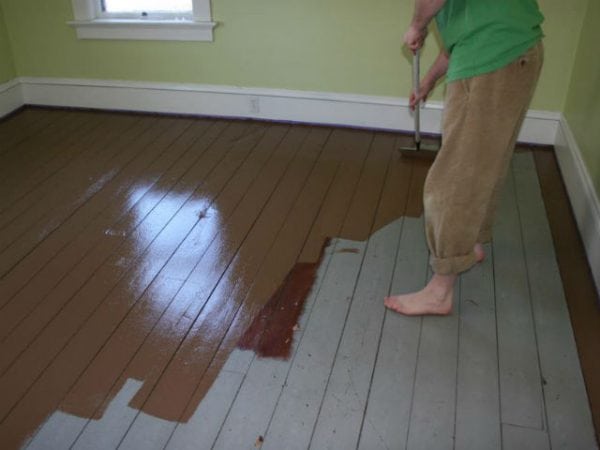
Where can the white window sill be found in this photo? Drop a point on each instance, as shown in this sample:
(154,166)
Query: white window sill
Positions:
(156,30)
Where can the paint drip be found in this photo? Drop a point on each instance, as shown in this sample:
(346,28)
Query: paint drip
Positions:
(271,333)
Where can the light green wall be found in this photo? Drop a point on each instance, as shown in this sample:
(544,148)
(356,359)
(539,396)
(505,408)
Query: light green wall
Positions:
(562,25)
(7,68)
(351,46)
(582,109)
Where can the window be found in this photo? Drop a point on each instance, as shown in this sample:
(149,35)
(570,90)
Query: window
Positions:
(136,9)
(182,20)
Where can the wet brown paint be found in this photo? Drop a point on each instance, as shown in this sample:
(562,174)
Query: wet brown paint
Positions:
(271,333)
(268,330)
(162,342)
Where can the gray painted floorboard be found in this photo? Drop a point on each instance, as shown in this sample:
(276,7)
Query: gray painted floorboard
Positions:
(342,410)
(478,402)
(433,412)
(385,425)
(298,406)
(520,382)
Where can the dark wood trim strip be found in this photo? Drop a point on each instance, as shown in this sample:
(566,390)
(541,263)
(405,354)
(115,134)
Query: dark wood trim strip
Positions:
(582,298)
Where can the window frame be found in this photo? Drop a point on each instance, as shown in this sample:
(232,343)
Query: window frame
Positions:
(91,22)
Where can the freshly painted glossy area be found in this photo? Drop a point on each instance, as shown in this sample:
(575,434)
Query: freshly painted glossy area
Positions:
(271,333)
(183,239)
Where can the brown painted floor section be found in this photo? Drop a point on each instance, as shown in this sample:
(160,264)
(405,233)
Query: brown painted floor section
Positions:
(140,246)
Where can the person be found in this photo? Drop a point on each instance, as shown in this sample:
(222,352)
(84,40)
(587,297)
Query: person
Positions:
(492,56)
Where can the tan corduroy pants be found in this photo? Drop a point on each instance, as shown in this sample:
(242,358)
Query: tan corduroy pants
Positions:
(482,118)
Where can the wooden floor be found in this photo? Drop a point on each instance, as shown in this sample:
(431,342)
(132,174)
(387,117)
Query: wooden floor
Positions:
(136,251)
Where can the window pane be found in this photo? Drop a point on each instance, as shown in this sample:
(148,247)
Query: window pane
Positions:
(120,6)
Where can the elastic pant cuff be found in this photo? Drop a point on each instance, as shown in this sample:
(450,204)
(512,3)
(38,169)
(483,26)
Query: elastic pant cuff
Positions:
(453,265)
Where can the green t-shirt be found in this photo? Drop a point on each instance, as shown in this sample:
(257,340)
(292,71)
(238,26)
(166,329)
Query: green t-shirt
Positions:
(484,35)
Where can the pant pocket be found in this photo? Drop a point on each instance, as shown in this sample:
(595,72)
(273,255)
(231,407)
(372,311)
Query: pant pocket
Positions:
(530,56)
(465,86)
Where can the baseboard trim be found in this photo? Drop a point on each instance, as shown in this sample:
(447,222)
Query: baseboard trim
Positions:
(377,112)
(582,194)
(11,97)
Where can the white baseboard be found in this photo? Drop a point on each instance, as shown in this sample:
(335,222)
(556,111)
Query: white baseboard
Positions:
(387,113)
(11,97)
(582,193)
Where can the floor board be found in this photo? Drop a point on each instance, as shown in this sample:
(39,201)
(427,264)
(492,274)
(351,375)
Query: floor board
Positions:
(386,420)
(432,417)
(520,386)
(477,392)
(345,398)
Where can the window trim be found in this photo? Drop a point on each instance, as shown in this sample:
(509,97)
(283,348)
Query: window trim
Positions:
(91,23)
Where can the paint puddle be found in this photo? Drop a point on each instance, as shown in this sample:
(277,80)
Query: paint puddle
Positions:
(272,332)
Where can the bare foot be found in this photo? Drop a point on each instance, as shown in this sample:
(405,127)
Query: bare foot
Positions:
(434,299)
(479,252)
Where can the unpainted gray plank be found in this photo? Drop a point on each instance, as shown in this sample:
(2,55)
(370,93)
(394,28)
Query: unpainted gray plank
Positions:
(432,419)
(522,438)
(147,432)
(343,407)
(255,402)
(204,425)
(59,431)
(106,432)
(239,361)
(297,408)
(477,392)
(62,430)
(520,382)
(567,406)
(385,425)
(253,407)
(524,161)
(153,433)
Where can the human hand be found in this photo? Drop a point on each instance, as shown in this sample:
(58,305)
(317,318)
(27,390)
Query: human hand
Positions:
(414,37)
(424,91)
